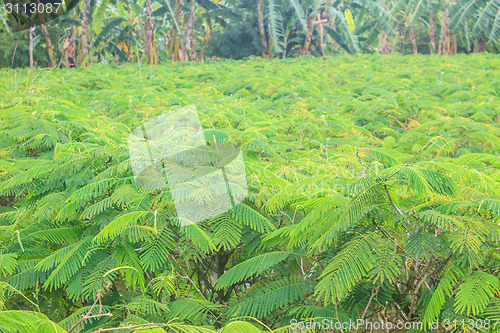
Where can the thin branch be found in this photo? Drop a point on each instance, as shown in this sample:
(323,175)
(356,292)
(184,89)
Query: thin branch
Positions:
(100,315)
(362,163)
(374,293)
(400,311)
(192,282)
(392,201)
(185,277)
(88,314)
(388,236)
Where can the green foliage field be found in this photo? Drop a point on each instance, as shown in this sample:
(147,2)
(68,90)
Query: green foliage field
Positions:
(374,193)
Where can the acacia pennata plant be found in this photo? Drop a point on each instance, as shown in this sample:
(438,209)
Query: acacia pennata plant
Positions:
(373,197)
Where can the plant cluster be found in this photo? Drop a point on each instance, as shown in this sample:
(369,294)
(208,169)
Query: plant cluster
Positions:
(374,193)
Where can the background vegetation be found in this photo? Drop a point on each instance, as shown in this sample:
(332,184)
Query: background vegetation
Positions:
(374,193)
(152,31)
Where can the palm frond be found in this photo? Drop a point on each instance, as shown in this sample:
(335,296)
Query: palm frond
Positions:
(275,18)
(240,327)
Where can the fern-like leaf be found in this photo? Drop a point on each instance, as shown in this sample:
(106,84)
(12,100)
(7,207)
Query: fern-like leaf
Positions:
(27,322)
(264,298)
(118,225)
(250,217)
(349,266)
(249,268)
(475,293)
(444,289)
(422,244)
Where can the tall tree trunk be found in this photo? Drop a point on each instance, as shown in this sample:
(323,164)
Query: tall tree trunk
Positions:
(202,52)
(333,25)
(71,52)
(32,32)
(150,45)
(447,35)
(175,38)
(310,31)
(205,40)
(480,45)
(69,46)
(46,37)
(85,31)
(444,38)
(48,42)
(454,43)
(194,55)
(413,40)
(262,31)
(187,42)
(432,23)
(64,50)
(384,44)
(166,42)
(404,39)
(174,46)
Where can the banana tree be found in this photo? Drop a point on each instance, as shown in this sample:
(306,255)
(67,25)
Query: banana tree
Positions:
(408,14)
(424,15)
(444,46)
(150,49)
(359,23)
(186,22)
(262,31)
(309,20)
(119,29)
(84,39)
(48,42)
(353,25)
(285,20)
(477,21)
(178,41)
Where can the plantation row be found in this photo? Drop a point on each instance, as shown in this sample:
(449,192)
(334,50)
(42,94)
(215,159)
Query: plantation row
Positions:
(374,194)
